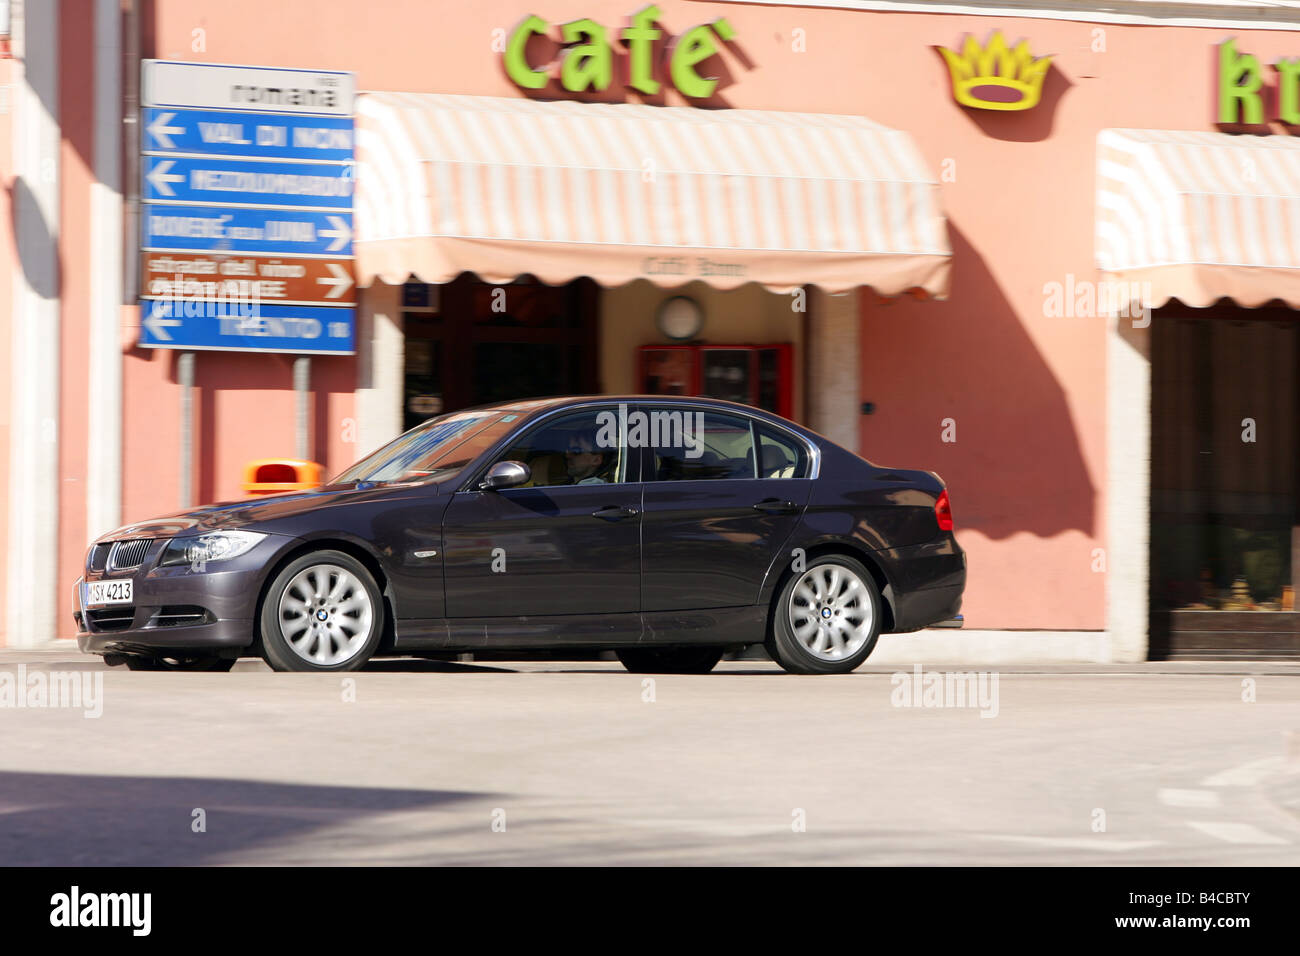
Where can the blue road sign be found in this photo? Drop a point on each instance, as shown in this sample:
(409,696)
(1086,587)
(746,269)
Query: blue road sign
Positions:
(282,231)
(223,145)
(245,326)
(247,182)
(268,135)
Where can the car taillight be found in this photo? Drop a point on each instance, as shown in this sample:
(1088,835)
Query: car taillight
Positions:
(943,511)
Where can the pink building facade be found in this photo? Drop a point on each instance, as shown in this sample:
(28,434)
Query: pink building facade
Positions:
(1005,374)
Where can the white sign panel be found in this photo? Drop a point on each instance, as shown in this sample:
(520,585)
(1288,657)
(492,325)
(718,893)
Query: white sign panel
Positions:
(252,88)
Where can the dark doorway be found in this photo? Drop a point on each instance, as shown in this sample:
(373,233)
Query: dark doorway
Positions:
(473,343)
(1225,436)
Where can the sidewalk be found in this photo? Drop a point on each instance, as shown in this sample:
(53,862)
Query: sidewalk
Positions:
(1028,651)
(962,646)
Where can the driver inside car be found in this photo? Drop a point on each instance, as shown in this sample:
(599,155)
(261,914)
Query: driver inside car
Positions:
(585,463)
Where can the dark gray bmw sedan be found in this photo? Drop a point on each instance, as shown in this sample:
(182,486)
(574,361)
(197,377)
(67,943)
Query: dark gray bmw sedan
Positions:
(667,530)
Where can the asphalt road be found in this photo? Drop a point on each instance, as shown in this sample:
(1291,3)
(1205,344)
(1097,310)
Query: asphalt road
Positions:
(585,764)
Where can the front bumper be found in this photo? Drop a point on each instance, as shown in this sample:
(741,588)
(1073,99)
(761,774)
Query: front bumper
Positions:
(177,609)
(223,638)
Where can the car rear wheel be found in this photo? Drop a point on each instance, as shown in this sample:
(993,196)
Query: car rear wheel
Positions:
(670,660)
(827,617)
(135,663)
(323,612)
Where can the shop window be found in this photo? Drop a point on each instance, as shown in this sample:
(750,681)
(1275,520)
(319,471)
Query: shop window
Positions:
(757,375)
(471,343)
(526,304)
(1224,425)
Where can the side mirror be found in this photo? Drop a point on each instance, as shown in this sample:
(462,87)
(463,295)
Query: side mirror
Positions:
(505,474)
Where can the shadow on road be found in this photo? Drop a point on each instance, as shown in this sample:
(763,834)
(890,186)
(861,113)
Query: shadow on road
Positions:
(51,819)
(403,665)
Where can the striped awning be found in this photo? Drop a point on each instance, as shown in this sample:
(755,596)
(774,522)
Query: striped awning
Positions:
(503,187)
(1200,216)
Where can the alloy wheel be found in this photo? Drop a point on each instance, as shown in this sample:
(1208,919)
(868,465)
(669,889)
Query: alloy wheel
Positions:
(325,614)
(831,613)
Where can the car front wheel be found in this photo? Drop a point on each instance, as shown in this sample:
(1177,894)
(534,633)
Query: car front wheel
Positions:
(323,612)
(827,617)
(670,660)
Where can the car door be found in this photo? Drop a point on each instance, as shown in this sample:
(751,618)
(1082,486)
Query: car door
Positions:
(567,542)
(723,494)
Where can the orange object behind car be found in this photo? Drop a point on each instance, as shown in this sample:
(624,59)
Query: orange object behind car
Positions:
(267,476)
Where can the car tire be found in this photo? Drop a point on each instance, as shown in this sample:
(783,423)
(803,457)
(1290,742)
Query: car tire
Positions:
(826,618)
(669,660)
(322,612)
(215,664)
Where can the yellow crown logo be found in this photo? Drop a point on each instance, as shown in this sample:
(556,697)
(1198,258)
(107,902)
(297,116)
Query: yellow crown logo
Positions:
(996,76)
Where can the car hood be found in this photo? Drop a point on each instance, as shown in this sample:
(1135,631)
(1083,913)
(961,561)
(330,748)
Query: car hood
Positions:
(260,513)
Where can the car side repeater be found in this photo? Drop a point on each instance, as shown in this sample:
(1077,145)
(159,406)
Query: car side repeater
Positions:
(943,511)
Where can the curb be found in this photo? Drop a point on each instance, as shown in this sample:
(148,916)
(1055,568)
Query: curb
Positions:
(935,646)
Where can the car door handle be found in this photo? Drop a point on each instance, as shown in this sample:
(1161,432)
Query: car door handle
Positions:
(775,506)
(615,513)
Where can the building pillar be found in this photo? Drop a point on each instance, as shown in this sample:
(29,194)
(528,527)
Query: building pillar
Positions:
(380,375)
(833,387)
(33,519)
(104,454)
(1128,486)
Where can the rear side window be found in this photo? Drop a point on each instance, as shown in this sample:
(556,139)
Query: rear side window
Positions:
(780,456)
(691,445)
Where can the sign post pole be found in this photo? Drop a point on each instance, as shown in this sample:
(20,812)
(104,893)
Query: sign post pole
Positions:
(302,391)
(185,375)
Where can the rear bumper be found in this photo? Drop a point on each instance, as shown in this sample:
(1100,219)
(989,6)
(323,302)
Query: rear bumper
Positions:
(927,608)
(930,580)
(954,622)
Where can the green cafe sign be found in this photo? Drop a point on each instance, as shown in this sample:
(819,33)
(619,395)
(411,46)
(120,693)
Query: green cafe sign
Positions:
(586,60)
(1240,89)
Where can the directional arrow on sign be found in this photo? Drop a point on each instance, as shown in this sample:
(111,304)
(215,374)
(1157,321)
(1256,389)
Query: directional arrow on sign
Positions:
(341,233)
(155,322)
(162,133)
(160,177)
(339,282)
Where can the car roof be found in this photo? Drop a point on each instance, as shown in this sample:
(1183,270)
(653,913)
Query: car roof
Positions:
(534,406)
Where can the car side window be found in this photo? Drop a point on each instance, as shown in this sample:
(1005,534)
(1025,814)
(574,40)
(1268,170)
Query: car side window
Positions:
(578,449)
(692,445)
(780,456)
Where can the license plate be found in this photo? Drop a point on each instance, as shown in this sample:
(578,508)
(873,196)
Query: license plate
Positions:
(100,593)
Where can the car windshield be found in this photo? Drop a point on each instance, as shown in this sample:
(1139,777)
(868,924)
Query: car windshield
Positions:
(440,447)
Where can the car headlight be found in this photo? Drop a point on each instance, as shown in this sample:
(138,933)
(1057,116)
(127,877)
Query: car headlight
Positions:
(200,550)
